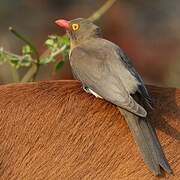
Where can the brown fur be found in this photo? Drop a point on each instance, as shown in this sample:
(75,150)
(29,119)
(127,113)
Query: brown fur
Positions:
(54,130)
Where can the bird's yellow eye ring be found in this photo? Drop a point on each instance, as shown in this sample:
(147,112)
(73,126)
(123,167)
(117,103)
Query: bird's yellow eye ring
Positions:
(75,27)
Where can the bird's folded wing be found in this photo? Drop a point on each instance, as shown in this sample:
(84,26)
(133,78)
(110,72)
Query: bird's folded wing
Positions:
(142,89)
(91,68)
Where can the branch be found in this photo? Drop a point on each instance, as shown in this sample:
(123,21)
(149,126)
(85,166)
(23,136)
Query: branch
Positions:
(35,63)
(30,73)
(15,74)
(102,10)
(54,54)
(34,49)
(21,37)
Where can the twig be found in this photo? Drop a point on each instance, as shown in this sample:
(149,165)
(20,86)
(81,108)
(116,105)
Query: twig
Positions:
(15,74)
(19,57)
(54,54)
(33,71)
(34,49)
(18,35)
(30,73)
(102,10)
(12,54)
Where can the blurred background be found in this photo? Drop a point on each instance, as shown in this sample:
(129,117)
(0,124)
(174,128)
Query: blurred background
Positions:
(148,31)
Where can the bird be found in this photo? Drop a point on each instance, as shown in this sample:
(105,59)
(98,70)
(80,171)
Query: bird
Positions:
(106,72)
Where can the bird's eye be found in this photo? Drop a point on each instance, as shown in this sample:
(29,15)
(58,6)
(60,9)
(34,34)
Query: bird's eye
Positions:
(75,27)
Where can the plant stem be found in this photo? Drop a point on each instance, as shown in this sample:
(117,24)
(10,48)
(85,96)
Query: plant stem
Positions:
(15,74)
(12,54)
(102,10)
(21,37)
(30,73)
(53,54)
(33,71)
(34,49)
(58,51)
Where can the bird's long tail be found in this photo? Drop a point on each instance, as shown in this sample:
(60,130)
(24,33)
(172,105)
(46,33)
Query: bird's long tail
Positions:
(147,140)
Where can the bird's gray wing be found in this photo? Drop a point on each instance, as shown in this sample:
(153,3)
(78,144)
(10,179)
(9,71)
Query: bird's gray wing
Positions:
(96,68)
(141,88)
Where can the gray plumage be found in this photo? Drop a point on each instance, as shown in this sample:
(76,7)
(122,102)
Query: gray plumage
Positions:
(107,74)
(105,71)
(146,138)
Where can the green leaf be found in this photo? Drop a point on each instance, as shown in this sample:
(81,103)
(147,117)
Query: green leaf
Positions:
(26,61)
(26,50)
(59,65)
(49,43)
(63,40)
(14,61)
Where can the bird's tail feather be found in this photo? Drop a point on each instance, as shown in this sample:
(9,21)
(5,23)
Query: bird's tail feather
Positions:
(147,140)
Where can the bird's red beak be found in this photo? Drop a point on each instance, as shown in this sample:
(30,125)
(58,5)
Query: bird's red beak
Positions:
(62,23)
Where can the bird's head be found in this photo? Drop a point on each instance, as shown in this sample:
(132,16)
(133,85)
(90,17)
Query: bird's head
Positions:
(79,30)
